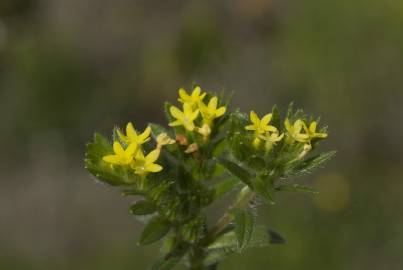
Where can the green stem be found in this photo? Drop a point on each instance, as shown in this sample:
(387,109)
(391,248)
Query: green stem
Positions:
(243,200)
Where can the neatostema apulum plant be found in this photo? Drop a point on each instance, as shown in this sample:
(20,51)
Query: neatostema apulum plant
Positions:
(207,152)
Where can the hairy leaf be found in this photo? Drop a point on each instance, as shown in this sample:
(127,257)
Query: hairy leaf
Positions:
(311,163)
(164,263)
(154,231)
(95,151)
(244,225)
(237,171)
(142,208)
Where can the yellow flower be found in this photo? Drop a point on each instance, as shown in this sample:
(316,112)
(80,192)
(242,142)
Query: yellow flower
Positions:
(294,131)
(272,137)
(210,112)
(163,139)
(132,136)
(121,156)
(144,164)
(184,118)
(260,126)
(205,130)
(311,131)
(192,99)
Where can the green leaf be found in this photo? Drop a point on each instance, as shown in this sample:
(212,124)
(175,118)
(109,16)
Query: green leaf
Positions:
(95,151)
(237,171)
(295,188)
(164,263)
(216,255)
(154,231)
(244,224)
(264,188)
(227,244)
(311,163)
(142,208)
(276,118)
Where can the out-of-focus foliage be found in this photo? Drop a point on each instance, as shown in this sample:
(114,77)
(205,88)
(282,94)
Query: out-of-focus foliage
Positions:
(68,67)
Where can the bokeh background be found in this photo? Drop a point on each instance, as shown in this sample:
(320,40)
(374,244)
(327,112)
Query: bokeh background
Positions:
(70,67)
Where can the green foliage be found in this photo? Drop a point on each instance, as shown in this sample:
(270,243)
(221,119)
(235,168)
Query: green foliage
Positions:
(244,225)
(154,231)
(180,171)
(142,208)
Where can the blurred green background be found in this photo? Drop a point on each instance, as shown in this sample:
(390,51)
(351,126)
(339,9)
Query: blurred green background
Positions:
(70,67)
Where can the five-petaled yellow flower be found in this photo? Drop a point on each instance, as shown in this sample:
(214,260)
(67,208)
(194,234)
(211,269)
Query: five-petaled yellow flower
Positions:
(132,136)
(184,118)
(311,131)
(192,99)
(294,131)
(210,112)
(261,126)
(144,164)
(121,156)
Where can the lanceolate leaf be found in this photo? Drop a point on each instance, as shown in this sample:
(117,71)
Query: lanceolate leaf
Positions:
(142,208)
(264,188)
(227,244)
(237,171)
(244,225)
(276,118)
(311,163)
(295,188)
(154,231)
(166,263)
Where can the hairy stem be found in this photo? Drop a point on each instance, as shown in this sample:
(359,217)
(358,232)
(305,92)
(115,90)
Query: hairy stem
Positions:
(243,200)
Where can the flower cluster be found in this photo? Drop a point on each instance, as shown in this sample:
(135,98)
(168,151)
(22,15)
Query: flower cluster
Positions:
(195,108)
(299,131)
(133,156)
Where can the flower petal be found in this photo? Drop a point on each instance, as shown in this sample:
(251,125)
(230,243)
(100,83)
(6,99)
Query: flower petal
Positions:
(196,92)
(140,155)
(175,123)
(121,136)
(178,114)
(312,127)
(220,111)
(271,128)
(250,127)
(212,104)
(266,120)
(152,156)
(117,148)
(131,132)
(131,149)
(254,118)
(194,114)
(154,167)
(111,159)
(143,137)
(183,95)
(298,126)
